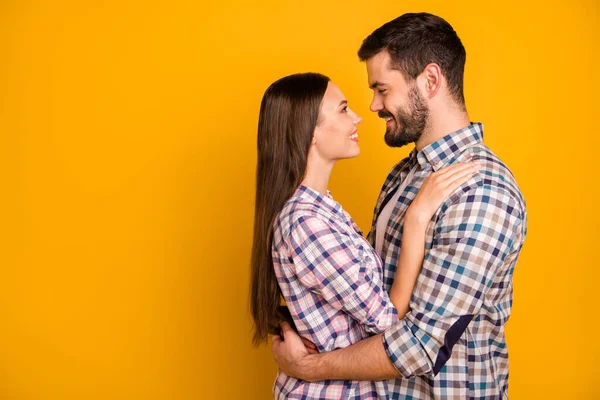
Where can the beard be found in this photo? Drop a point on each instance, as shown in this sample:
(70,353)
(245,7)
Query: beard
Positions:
(409,122)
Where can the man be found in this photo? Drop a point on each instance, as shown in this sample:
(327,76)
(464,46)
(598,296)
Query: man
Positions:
(451,344)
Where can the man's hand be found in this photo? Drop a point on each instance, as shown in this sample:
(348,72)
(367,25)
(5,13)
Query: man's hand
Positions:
(295,355)
(310,346)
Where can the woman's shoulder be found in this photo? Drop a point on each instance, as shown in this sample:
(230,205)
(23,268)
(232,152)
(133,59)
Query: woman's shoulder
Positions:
(295,210)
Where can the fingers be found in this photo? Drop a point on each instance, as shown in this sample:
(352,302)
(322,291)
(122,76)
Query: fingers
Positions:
(450,178)
(275,343)
(456,183)
(452,175)
(455,168)
(460,177)
(441,184)
(308,344)
(286,329)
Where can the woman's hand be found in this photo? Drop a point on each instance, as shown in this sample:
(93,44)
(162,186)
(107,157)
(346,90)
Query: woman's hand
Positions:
(436,188)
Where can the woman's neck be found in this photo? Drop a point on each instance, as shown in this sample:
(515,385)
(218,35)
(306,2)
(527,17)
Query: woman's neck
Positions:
(317,175)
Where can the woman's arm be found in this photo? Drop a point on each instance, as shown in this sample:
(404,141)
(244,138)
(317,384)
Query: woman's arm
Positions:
(328,263)
(409,264)
(436,188)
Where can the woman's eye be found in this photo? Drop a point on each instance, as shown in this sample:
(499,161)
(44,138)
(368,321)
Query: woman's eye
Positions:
(345,109)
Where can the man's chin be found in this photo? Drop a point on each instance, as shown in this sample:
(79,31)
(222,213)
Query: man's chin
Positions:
(395,140)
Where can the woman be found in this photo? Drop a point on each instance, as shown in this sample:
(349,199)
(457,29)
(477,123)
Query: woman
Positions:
(308,249)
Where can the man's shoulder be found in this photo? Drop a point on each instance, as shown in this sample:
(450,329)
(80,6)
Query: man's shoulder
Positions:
(495,176)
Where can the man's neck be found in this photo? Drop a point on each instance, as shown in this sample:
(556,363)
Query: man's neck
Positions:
(441,126)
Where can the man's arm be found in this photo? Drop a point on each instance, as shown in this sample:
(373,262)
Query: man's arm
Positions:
(473,238)
(349,363)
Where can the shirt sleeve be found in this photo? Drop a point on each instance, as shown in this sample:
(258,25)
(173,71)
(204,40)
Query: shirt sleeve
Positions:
(473,239)
(329,264)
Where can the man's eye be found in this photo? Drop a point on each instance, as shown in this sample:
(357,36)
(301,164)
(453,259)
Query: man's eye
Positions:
(381,91)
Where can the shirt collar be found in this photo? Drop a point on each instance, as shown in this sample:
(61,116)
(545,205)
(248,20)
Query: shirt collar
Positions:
(444,151)
(313,196)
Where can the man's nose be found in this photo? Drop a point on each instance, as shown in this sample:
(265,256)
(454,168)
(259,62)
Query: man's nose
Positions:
(376,105)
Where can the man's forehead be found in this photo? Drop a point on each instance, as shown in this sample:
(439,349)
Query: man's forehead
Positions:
(377,68)
(379,60)
(380,71)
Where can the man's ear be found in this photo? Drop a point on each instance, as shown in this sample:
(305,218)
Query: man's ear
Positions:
(431,80)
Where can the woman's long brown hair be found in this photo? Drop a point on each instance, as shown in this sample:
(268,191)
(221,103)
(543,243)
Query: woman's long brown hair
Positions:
(289,113)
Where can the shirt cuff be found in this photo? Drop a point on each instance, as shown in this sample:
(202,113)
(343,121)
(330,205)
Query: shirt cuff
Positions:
(405,351)
(378,323)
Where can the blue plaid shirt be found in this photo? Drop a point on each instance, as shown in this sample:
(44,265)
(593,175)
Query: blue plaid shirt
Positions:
(451,344)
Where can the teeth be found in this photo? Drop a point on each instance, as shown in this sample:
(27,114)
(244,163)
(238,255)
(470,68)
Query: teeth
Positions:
(354,136)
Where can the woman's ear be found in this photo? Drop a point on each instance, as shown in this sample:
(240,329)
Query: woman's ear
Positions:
(314,136)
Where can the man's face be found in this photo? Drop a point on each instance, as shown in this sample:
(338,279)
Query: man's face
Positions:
(397,101)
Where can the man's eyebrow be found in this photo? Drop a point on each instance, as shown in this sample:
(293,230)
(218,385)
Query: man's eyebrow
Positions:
(375,84)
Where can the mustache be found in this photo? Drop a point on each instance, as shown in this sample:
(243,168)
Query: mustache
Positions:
(385,114)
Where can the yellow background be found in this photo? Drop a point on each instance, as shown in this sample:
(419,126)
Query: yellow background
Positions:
(128,135)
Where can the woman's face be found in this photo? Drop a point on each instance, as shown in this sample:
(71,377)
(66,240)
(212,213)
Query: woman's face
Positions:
(336,135)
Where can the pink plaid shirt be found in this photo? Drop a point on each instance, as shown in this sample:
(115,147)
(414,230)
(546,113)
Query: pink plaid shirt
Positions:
(331,280)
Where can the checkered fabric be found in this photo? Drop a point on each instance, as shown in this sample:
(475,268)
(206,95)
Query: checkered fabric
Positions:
(451,344)
(331,280)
